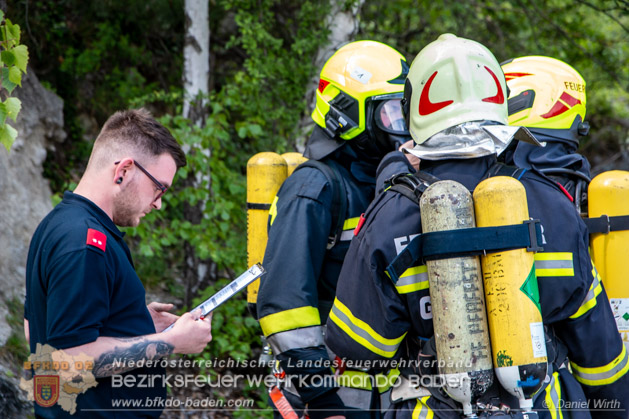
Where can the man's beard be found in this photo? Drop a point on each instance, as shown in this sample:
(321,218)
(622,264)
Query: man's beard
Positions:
(125,212)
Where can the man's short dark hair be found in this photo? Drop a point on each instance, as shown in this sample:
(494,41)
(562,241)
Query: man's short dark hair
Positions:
(137,129)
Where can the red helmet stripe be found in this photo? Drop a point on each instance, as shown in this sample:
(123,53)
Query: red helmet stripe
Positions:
(499,97)
(557,109)
(323,84)
(426,107)
(570,100)
(511,76)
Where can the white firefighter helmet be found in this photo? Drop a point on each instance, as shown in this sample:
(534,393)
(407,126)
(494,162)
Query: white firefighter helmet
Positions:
(451,81)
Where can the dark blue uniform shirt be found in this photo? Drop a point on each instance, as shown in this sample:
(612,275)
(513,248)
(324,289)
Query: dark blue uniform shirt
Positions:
(81,284)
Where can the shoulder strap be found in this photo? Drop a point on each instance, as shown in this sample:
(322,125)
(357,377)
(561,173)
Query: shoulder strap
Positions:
(566,172)
(339,197)
(501,169)
(572,183)
(411,185)
(414,185)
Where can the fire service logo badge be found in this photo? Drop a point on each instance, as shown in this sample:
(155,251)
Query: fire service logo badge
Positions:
(46,390)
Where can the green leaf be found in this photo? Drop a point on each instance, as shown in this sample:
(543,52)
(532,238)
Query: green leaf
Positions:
(6,82)
(255,130)
(15,76)
(21,57)
(14,31)
(3,113)
(8,57)
(242,132)
(146,250)
(7,136)
(13,106)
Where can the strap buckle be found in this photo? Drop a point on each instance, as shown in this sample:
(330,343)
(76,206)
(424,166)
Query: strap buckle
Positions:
(607,223)
(533,226)
(331,242)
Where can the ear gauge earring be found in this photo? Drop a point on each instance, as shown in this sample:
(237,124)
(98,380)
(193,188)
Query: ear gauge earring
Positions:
(119,180)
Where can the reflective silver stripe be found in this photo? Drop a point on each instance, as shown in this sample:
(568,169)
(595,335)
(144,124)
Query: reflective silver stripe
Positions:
(592,294)
(362,333)
(424,410)
(554,397)
(355,397)
(423,414)
(348,229)
(295,339)
(603,377)
(553,264)
(347,235)
(385,400)
(412,279)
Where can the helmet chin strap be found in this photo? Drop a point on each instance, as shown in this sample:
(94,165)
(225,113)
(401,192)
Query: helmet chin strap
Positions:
(371,149)
(365,148)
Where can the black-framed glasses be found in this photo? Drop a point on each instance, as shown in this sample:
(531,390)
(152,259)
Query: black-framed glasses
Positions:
(157,183)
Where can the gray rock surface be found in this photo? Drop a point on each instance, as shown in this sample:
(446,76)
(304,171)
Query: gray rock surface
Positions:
(25,198)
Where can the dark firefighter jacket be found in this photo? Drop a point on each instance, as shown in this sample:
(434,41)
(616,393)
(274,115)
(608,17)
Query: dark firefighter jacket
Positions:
(558,159)
(297,293)
(374,320)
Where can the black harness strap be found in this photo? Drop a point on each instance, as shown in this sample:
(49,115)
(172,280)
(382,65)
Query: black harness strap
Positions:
(412,185)
(258,206)
(463,242)
(606,224)
(466,242)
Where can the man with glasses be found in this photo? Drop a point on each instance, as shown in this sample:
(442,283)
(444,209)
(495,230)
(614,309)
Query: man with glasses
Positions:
(83,296)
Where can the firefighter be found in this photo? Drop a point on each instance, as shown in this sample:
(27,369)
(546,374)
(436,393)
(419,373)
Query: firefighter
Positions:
(547,96)
(456,109)
(358,119)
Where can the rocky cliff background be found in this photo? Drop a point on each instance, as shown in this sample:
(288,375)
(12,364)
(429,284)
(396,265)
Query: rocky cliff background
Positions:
(25,198)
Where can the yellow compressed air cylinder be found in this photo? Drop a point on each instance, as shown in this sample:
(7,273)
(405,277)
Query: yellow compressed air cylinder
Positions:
(293,159)
(265,174)
(457,299)
(513,309)
(608,194)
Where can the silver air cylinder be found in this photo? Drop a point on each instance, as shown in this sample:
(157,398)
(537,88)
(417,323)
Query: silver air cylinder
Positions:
(458,300)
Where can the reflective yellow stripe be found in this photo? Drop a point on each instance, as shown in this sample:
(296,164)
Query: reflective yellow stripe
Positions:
(289,320)
(554,264)
(362,333)
(355,379)
(392,377)
(350,223)
(607,374)
(413,279)
(363,381)
(553,397)
(422,411)
(273,210)
(348,229)
(589,301)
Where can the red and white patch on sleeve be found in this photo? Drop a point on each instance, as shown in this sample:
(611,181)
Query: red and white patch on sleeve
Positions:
(96,238)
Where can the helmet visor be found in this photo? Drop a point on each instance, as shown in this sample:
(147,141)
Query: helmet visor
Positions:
(389,117)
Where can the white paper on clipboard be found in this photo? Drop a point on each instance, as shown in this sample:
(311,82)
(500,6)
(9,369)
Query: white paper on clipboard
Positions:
(228,291)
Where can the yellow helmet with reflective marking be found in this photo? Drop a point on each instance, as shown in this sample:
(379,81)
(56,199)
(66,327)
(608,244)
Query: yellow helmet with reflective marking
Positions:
(360,88)
(544,92)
